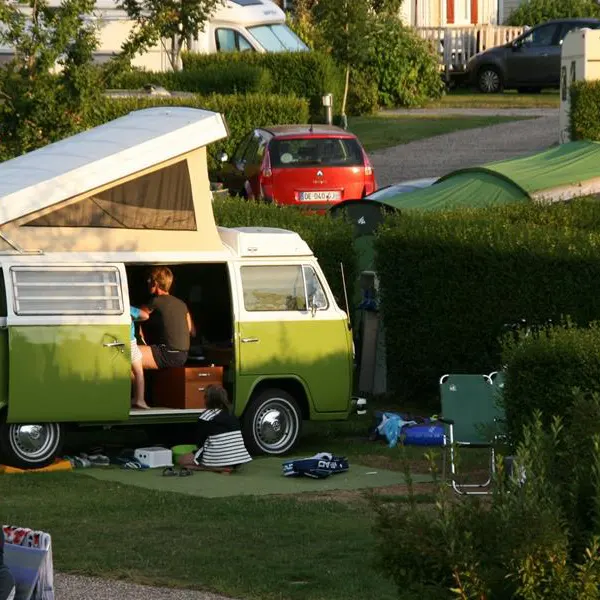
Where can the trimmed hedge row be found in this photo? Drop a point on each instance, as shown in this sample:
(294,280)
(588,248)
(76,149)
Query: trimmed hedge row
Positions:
(331,240)
(585,110)
(242,113)
(237,78)
(306,74)
(543,370)
(451,281)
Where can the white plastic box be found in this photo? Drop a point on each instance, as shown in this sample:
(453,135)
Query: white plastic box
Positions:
(154,457)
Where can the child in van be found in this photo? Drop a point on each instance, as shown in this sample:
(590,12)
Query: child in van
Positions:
(137,371)
(220,443)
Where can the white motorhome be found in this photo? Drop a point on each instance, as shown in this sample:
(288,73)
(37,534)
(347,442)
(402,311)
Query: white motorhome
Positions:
(236,25)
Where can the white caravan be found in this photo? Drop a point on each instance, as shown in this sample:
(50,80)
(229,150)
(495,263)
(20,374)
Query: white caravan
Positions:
(236,25)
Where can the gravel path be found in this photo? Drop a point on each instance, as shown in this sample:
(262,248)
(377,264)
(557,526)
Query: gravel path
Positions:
(75,587)
(436,156)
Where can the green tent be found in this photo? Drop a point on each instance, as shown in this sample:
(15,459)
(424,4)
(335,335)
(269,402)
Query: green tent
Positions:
(560,173)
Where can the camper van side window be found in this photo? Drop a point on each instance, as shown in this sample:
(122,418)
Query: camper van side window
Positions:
(229,40)
(2,295)
(66,291)
(274,288)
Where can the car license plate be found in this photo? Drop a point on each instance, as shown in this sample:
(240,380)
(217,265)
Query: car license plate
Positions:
(320,196)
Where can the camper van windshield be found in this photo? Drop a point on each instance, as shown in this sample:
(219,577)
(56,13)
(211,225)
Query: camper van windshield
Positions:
(277,38)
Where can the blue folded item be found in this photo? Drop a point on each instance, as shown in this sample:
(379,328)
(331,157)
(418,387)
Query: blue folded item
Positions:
(411,431)
(430,434)
(319,466)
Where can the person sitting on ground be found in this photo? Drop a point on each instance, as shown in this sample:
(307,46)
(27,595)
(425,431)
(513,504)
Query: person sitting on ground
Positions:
(7,582)
(220,443)
(137,371)
(169,327)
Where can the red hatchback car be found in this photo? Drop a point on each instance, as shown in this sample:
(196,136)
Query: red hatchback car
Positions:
(299,165)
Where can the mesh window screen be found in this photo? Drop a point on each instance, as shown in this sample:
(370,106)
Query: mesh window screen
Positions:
(159,200)
(66,291)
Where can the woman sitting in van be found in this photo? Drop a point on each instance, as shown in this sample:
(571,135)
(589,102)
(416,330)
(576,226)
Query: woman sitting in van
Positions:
(220,443)
(167,331)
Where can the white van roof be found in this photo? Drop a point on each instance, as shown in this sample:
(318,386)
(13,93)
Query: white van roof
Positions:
(99,156)
(264,242)
(248,12)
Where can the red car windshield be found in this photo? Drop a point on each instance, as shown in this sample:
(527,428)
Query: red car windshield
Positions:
(315,152)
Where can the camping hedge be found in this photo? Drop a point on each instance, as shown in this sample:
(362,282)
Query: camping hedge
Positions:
(450,282)
(330,239)
(308,75)
(242,113)
(585,110)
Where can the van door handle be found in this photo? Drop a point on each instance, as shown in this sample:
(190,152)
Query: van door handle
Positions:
(113,344)
(249,340)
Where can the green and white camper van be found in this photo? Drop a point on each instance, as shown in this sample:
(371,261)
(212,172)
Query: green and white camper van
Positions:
(81,220)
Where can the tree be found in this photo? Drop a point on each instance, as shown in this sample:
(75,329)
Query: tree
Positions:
(180,21)
(533,12)
(347,25)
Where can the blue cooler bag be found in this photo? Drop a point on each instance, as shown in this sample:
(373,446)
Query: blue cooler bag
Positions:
(318,466)
(426,434)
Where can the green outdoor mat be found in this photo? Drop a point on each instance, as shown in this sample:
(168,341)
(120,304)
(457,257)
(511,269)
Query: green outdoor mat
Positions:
(262,476)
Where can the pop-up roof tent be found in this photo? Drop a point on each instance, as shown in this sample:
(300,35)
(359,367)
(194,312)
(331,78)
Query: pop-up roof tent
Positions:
(560,173)
(136,184)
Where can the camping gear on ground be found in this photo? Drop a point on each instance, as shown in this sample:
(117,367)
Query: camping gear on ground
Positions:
(180,450)
(28,555)
(319,466)
(410,430)
(181,472)
(154,457)
(472,414)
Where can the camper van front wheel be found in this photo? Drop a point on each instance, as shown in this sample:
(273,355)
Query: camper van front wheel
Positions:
(30,446)
(272,423)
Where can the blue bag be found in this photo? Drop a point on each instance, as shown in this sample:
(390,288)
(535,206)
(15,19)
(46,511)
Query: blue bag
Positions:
(426,434)
(319,466)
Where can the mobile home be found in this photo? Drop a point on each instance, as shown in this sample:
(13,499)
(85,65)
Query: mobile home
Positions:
(81,220)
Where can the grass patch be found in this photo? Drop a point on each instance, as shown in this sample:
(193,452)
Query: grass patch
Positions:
(258,548)
(378,132)
(508,99)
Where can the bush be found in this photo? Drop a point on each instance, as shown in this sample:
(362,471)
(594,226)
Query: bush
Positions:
(308,75)
(523,544)
(405,66)
(363,96)
(242,113)
(451,280)
(331,240)
(533,12)
(238,78)
(585,110)
(544,369)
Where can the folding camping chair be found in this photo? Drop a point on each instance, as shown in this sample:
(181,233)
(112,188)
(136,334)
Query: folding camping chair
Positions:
(471,413)
(28,555)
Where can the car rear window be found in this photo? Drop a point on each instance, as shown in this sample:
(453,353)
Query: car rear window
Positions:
(315,152)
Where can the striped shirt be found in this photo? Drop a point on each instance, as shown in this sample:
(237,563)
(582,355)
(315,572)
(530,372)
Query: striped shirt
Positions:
(220,441)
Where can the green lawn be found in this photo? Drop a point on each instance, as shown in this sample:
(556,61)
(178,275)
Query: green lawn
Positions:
(303,547)
(509,99)
(379,132)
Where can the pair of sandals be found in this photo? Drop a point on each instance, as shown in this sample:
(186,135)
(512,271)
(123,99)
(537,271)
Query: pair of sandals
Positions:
(181,472)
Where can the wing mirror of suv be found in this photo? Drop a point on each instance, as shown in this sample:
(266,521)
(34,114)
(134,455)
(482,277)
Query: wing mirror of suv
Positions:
(223,157)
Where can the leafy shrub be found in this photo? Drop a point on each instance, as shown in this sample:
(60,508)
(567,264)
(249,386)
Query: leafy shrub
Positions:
(331,240)
(405,66)
(450,281)
(363,96)
(585,110)
(308,75)
(533,12)
(242,113)
(521,545)
(238,78)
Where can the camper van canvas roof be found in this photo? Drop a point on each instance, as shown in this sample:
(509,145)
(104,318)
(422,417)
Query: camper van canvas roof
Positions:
(99,156)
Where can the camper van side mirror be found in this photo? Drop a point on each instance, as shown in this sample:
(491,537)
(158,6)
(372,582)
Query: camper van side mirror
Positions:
(313,305)
(223,157)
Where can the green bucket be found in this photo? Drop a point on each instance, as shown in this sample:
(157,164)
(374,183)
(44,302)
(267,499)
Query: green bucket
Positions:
(179,451)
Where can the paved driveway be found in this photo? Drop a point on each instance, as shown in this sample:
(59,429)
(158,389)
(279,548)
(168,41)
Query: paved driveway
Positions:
(442,154)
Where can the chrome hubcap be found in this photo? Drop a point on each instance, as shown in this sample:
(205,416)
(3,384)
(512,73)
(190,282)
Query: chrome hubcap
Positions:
(490,81)
(276,425)
(34,442)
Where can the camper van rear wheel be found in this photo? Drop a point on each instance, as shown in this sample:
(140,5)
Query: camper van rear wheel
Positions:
(30,446)
(272,423)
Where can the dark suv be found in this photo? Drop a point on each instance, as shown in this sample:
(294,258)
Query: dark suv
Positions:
(529,63)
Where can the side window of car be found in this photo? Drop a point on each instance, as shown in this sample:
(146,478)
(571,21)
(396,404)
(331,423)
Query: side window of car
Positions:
(566,28)
(240,151)
(251,149)
(541,36)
